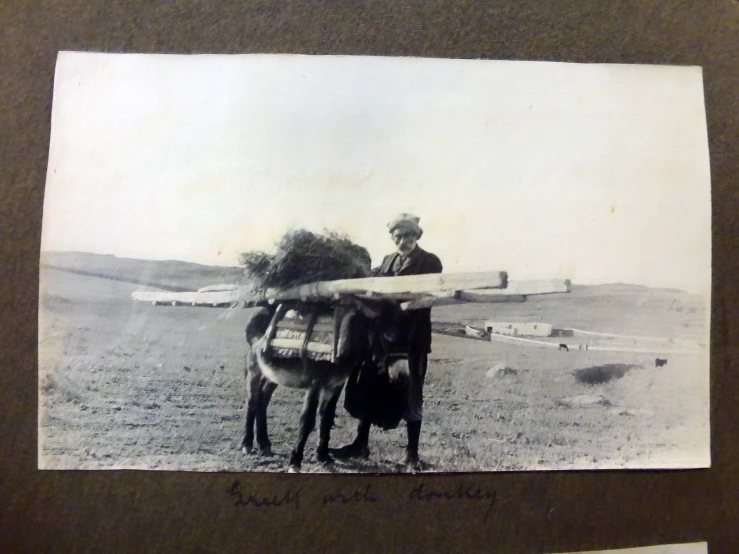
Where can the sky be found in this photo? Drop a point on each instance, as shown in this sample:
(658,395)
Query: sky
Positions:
(596,173)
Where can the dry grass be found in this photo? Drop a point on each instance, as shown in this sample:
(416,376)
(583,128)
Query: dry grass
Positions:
(302,256)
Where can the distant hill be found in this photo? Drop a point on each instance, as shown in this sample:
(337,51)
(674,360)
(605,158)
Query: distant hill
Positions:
(608,308)
(167,274)
(621,289)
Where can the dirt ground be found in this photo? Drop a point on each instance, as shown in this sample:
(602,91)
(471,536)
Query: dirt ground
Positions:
(130,385)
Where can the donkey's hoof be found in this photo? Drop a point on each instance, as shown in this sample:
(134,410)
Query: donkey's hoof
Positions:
(296,460)
(265,450)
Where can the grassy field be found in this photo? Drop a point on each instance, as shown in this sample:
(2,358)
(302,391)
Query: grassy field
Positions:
(130,385)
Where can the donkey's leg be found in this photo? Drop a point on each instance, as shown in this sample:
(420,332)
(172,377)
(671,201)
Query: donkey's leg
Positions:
(254,382)
(327,409)
(307,424)
(266,388)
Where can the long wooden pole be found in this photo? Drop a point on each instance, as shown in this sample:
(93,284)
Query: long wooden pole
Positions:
(431,301)
(516,291)
(540,286)
(399,288)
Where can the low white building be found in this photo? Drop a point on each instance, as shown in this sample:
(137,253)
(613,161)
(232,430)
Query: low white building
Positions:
(518,329)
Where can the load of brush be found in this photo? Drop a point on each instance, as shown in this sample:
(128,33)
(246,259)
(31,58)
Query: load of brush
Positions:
(302,257)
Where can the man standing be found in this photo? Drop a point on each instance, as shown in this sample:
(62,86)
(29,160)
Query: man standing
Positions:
(415,329)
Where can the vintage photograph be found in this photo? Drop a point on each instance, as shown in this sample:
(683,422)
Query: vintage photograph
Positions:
(350,264)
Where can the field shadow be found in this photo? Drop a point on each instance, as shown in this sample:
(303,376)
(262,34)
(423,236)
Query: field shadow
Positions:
(596,375)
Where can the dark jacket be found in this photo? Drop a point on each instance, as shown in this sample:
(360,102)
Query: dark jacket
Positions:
(418,262)
(416,324)
(369,395)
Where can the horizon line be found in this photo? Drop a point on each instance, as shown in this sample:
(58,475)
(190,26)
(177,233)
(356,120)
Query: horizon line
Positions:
(236,266)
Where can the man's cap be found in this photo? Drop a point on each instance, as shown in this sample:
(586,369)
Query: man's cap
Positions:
(407,221)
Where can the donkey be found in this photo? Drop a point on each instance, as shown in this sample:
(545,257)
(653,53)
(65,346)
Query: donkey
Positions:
(323,380)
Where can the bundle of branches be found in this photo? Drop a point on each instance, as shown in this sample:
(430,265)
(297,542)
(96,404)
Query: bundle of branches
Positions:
(304,257)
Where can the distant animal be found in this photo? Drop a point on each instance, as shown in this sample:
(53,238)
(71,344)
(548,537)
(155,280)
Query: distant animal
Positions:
(324,380)
(564,347)
(659,362)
